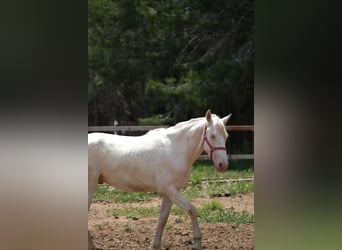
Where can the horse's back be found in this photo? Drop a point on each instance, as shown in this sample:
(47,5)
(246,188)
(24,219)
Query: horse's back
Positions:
(97,137)
(128,162)
(129,143)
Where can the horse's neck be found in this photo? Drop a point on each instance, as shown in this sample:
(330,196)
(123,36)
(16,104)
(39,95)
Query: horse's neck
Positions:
(190,137)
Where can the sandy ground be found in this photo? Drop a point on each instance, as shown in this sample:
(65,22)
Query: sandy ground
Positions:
(110,232)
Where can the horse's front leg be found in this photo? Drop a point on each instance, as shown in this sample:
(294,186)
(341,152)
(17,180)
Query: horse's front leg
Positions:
(182,202)
(164,215)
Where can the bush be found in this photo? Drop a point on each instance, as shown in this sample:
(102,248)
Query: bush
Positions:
(156,120)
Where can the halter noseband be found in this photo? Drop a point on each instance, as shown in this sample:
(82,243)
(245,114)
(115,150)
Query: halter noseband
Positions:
(212,149)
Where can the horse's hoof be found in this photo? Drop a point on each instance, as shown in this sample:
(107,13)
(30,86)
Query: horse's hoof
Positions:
(156,247)
(92,247)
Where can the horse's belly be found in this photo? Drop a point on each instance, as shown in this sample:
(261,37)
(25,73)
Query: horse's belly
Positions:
(129,187)
(134,188)
(130,183)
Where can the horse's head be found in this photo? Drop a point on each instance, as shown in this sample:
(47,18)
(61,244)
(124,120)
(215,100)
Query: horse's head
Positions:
(214,140)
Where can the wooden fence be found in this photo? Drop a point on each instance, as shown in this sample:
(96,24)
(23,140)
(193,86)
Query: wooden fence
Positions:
(123,129)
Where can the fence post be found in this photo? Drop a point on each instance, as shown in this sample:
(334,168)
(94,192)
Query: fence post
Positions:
(115,124)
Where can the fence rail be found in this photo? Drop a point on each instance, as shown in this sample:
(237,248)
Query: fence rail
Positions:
(123,129)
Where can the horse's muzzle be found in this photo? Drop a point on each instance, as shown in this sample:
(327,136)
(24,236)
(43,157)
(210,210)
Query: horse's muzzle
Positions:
(221,167)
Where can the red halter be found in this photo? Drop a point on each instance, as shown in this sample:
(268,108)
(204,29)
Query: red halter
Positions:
(212,149)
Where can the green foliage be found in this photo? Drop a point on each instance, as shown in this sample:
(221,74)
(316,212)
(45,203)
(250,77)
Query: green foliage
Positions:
(179,219)
(236,169)
(213,205)
(175,210)
(161,62)
(178,57)
(156,120)
(212,211)
(227,215)
(196,179)
(230,188)
(193,191)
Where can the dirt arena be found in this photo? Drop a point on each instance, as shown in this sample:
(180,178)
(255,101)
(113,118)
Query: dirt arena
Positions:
(112,232)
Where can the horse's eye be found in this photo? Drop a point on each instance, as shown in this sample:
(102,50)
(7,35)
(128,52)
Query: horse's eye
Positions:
(213,137)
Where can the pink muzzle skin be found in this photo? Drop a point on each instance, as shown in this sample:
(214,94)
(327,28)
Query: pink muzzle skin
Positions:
(212,149)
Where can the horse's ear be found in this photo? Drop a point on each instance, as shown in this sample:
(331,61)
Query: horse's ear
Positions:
(208,115)
(226,118)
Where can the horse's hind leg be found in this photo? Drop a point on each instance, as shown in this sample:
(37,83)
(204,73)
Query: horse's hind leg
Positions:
(92,183)
(91,245)
(164,214)
(93,180)
(91,191)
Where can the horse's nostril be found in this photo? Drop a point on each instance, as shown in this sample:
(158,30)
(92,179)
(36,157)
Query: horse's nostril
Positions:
(220,165)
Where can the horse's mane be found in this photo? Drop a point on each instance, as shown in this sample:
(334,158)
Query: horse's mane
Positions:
(192,120)
(182,124)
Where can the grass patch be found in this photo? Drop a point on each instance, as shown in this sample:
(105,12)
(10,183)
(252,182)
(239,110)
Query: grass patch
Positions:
(196,178)
(214,211)
(205,169)
(232,188)
(175,210)
(108,193)
(211,189)
(213,205)
(192,192)
(228,215)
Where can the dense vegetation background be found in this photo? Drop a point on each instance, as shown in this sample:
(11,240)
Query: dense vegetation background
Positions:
(160,62)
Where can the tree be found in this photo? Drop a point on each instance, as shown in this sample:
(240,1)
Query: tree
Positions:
(170,59)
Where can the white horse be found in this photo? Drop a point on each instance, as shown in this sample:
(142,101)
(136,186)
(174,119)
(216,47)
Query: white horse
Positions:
(159,161)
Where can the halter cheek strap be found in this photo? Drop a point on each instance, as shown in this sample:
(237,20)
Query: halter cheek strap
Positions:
(212,149)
